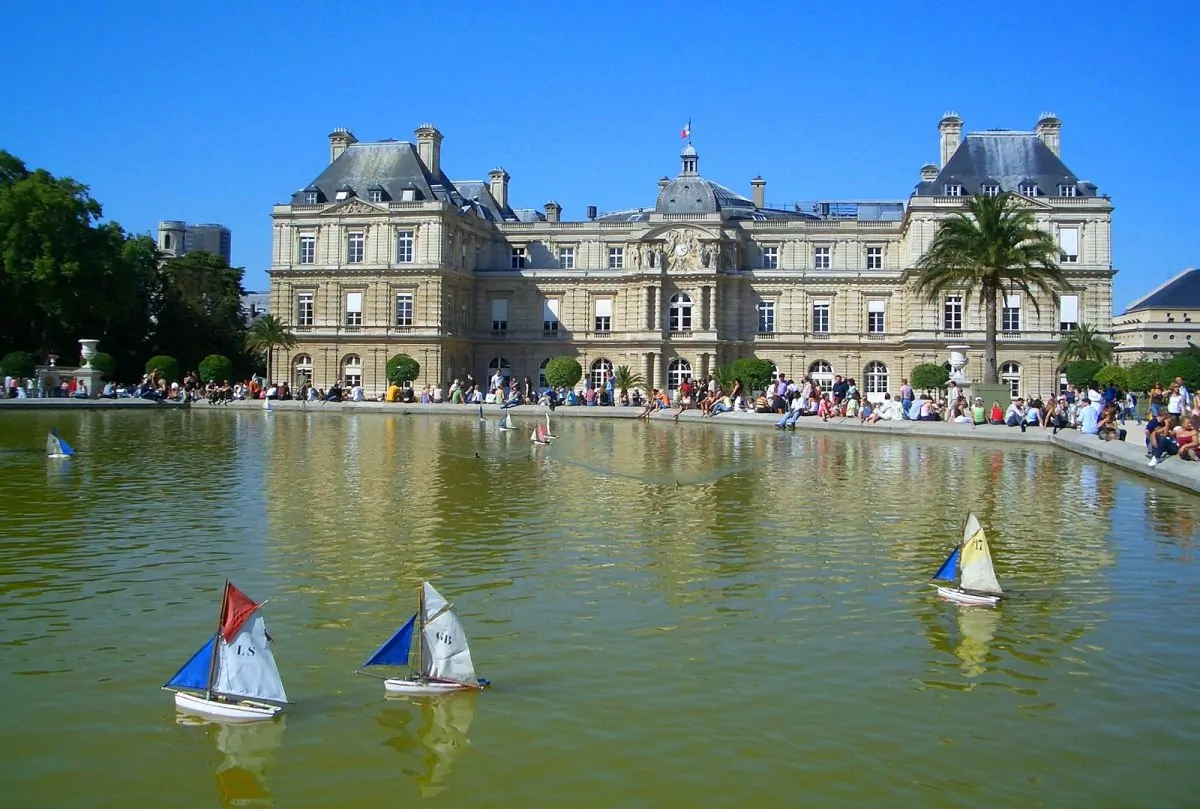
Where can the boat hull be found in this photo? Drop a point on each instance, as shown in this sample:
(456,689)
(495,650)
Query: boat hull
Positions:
(969,599)
(229,711)
(422,687)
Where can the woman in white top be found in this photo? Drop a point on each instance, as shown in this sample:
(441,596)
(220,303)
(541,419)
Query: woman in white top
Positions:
(1175,402)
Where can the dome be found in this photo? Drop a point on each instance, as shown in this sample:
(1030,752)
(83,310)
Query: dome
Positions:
(688,151)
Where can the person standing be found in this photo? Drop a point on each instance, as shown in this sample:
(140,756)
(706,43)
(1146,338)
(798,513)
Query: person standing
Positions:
(906,398)
(610,388)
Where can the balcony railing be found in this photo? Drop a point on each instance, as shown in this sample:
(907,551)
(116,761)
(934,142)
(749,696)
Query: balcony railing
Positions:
(819,335)
(765,335)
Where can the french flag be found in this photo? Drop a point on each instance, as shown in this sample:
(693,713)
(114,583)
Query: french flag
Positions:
(686,132)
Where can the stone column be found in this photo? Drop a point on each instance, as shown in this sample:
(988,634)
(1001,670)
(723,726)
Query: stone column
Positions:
(704,364)
(648,369)
(662,370)
(651,309)
(706,308)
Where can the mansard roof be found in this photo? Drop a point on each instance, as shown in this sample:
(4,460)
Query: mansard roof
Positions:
(1181,292)
(1009,158)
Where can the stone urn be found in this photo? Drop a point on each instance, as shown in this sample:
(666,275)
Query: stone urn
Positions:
(87,350)
(958,361)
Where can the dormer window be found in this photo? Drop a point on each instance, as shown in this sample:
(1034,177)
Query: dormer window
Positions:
(345,192)
(310,197)
(952,190)
(1067,190)
(375,195)
(1029,189)
(990,190)
(408,195)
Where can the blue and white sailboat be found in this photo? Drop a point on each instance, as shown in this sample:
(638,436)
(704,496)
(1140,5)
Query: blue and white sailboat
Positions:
(442,657)
(56,446)
(233,676)
(482,419)
(970,564)
(506,423)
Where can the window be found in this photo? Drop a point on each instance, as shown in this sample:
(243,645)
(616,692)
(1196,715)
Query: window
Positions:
(1068,312)
(550,317)
(604,310)
(518,258)
(1010,315)
(304,309)
(352,370)
(566,258)
(952,319)
(343,193)
(680,313)
(616,258)
(356,244)
(821,258)
(678,372)
(310,197)
(770,258)
(874,258)
(599,367)
(499,317)
(308,248)
(952,190)
(354,308)
(375,195)
(542,383)
(404,247)
(820,317)
(1067,190)
(1010,374)
(875,312)
(408,194)
(990,190)
(821,372)
(1029,189)
(498,364)
(877,381)
(1068,245)
(766,317)
(404,310)
(302,369)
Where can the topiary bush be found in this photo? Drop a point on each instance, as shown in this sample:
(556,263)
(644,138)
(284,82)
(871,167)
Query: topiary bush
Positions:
(105,364)
(167,367)
(1113,375)
(929,376)
(18,363)
(216,368)
(754,372)
(402,369)
(563,372)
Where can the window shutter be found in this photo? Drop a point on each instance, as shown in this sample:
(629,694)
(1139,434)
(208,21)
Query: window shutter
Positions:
(1068,240)
(1012,302)
(876,306)
(499,309)
(1069,307)
(354,302)
(604,307)
(550,310)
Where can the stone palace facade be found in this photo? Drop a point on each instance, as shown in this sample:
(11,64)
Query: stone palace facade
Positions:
(383,254)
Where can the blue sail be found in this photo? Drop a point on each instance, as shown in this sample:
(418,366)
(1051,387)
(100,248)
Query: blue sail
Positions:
(481,418)
(64,446)
(194,673)
(949,569)
(395,651)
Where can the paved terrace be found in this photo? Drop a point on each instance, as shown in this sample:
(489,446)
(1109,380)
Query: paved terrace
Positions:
(1129,455)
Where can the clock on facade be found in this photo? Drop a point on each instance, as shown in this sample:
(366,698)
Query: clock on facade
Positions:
(681,249)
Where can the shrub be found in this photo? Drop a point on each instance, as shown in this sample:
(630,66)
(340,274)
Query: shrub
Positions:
(563,372)
(402,369)
(1082,373)
(929,376)
(216,368)
(723,376)
(1142,375)
(754,372)
(1113,375)
(105,364)
(18,363)
(1185,366)
(167,367)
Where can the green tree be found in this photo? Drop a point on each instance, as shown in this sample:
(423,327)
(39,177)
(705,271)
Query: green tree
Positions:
(625,378)
(267,334)
(1082,373)
(755,373)
(1113,375)
(1142,375)
(1186,366)
(216,368)
(723,376)
(929,376)
(167,367)
(200,308)
(402,369)
(994,246)
(1084,343)
(563,372)
(18,363)
(105,364)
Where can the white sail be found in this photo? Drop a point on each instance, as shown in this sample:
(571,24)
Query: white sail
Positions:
(978,575)
(445,654)
(246,667)
(52,446)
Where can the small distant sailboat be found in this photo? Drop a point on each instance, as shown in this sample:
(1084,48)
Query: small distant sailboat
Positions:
(443,658)
(970,563)
(540,436)
(481,417)
(57,447)
(549,434)
(233,676)
(506,423)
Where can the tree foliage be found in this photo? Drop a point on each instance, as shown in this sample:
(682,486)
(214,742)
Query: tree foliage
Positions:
(167,367)
(1082,373)
(563,372)
(105,364)
(1113,375)
(201,311)
(266,334)
(18,363)
(1142,375)
(929,376)
(216,368)
(402,369)
(723,376)
(755,373)
(993,248)
(1084,343)
(625,379)
(1185,366)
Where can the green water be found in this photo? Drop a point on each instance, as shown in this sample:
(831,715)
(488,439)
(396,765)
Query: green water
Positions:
(671,616)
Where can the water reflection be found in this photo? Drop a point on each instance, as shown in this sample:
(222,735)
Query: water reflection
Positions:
(977,627)
(249,750)
(432,735)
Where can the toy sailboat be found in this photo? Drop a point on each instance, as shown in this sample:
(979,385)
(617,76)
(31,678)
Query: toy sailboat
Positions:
(443,658)
(481,418)
(549,434)
(233,676)
(506,423)
(971,564)
(540,436)
(56,447)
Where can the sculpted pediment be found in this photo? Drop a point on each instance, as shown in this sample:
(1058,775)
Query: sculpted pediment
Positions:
(354,207)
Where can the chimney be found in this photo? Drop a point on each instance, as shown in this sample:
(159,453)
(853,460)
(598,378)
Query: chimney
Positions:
(553,211)
(663,183)
(591,212)
(1048,129)
(339,140)
(498,186)
(951,128)
(759,186)
(929,173)
(429,148)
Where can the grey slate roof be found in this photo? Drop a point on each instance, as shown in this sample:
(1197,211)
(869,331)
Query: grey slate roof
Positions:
(1181,292)
(1008,159)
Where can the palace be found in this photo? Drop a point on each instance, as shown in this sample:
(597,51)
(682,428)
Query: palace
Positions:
(382,253)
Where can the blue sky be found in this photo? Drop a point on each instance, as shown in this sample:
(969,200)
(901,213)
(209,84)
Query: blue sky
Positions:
(213,112)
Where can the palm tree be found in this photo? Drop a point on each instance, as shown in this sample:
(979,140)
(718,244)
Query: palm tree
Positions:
(1084,342)
(995,244)
(267,334)
(624,378)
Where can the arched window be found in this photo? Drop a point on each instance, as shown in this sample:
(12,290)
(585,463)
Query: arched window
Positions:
(352,370)
(1010,374)
(821,372)
(302,369)
(680,313)
(499,364)
(597,372)
(876,374)
(678,372)
(542,383)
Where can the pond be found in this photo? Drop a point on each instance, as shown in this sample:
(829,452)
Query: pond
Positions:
(670,615)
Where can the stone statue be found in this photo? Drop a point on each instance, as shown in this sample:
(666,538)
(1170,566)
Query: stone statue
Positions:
(635,256)
(706,256)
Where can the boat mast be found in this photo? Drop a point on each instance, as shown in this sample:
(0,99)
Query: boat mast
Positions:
(212,666)
(420,633)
